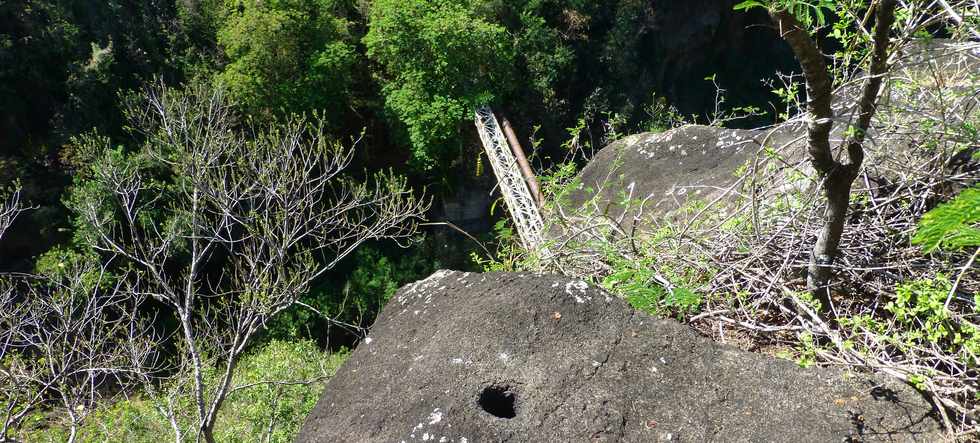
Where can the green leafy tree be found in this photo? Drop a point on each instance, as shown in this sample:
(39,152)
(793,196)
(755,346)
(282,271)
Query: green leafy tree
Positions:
(438,60)
(287,55)
(545,47)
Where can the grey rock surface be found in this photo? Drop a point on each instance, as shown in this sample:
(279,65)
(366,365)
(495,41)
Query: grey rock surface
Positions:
(667,170)
(661,172)
(463,357)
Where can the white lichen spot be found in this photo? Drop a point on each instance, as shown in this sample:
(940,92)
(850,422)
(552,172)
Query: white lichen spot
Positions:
(426,437)
(577,289)
(368,340)
(435,416)
(596,364)
(456,361)
(503,356)
(418,288)
(443,439)
(462,440)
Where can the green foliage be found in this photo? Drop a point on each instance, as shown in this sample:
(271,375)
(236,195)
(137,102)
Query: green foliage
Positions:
(439,59)
(637,282)
(358,292)
(287,55)
(60,263)
(919,305)
(510,255)
(804,353)
(920,317)
(810,13)
(661,115)
(547,55)
(281,408)
(261,412)
(560,182)
(952,225)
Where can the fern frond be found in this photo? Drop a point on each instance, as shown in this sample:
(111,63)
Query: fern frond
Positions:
(953,225)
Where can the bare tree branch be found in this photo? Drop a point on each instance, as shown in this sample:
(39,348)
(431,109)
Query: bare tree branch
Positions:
(69,340)
(10,208)
(251,219)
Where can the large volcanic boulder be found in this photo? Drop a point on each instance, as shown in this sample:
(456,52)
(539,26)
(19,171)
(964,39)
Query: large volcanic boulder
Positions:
(665,171)
(650,175)
(461,357)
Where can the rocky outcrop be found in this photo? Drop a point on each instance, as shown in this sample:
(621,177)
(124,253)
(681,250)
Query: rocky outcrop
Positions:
(652,174)
(461,357)
(664,171)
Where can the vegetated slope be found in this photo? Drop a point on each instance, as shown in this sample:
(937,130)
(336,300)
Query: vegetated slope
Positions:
(464,357)
(649,175)
(729,219)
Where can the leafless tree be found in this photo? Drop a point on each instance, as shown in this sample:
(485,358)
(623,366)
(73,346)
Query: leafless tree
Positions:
(68,342)
(243,224)
(10,207)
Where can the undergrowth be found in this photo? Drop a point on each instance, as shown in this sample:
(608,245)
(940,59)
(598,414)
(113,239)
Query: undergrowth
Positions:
(279,385)
(907,287)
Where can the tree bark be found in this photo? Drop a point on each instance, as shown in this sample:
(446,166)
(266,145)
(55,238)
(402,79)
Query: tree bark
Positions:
(836,177)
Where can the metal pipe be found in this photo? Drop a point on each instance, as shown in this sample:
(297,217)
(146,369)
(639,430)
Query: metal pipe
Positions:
(525,166)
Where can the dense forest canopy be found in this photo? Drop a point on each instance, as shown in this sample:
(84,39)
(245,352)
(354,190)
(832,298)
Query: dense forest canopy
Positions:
(408,72)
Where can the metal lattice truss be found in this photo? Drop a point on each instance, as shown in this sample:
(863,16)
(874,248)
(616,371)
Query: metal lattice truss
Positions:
(518,198)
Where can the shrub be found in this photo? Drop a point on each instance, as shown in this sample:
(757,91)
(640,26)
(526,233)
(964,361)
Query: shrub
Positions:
(279,384)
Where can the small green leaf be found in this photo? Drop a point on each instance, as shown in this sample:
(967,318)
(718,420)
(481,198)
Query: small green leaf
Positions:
(749,4)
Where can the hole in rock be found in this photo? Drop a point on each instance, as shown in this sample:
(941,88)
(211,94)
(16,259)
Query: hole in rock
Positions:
(499,401)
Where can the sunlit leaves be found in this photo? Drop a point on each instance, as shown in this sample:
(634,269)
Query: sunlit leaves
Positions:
(439,59)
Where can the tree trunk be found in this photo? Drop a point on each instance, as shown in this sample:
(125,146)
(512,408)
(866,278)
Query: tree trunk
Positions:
(837,191)
(208,433)
(837,177)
